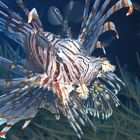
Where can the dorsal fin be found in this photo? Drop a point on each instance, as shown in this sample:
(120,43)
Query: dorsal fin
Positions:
(89,35)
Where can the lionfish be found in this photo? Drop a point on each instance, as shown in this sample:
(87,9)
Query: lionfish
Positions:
(58,74)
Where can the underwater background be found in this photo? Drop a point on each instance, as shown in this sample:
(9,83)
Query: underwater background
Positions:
(124,52)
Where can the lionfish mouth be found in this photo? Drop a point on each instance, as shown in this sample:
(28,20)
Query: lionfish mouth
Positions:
(57,73)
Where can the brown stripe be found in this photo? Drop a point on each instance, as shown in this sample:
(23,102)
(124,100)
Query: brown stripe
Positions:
(114,8)
(109,25)
(58,90)
(37,50)
(67,48)
(48,59)
(75,45)
(67,71)
(8,125)
(56,42)
(45,81)
(29,118)
(31,53)
(51,86)
(57,72)
(73,63)
(123,3)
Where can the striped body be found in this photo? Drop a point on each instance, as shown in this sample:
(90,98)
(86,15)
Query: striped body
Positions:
(67,65)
